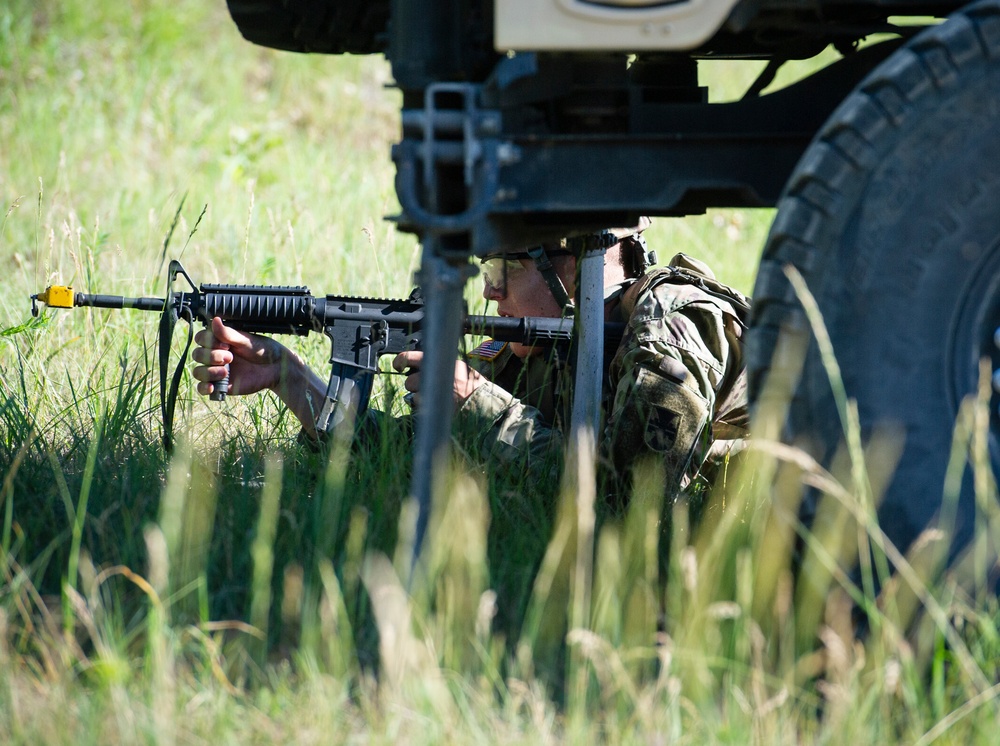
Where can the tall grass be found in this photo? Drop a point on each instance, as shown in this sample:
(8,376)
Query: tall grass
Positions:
(269,599)
(249,589)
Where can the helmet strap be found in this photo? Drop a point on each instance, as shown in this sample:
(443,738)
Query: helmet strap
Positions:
(636,256)
(552,279)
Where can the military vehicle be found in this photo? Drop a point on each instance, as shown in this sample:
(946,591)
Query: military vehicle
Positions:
(525,120)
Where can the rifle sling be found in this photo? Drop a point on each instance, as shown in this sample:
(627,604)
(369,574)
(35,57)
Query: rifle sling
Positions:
(168,399)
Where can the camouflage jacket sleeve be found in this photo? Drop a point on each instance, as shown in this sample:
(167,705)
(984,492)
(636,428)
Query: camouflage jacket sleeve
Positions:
(677,372)
(511,432)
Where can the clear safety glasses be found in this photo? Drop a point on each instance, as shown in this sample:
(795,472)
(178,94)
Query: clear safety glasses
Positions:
(498,270)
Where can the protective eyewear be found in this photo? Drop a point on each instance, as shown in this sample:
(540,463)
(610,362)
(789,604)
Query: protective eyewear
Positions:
(497,270)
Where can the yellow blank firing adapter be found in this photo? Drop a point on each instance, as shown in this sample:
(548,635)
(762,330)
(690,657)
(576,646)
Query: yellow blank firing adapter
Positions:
(54,296)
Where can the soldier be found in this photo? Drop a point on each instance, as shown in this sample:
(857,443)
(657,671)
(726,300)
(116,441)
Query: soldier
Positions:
(674,388)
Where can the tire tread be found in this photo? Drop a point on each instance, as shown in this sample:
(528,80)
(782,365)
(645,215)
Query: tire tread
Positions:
(845,146)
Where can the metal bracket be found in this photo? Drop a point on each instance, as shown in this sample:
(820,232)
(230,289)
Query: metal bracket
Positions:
(446,134)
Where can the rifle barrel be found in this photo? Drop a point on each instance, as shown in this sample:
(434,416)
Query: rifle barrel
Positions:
(118,301)
(532,330)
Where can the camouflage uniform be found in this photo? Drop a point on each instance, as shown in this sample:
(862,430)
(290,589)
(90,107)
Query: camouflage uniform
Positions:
(675,387)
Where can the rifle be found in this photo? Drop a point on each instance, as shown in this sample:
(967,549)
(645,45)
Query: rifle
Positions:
(360,330)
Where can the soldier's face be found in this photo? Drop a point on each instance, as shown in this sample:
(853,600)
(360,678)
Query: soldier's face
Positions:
(526,292)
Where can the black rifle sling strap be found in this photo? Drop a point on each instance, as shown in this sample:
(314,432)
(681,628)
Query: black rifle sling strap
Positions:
(170,402)
(168,320)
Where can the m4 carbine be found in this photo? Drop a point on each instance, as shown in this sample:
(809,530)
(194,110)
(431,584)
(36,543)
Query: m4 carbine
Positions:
(360,330)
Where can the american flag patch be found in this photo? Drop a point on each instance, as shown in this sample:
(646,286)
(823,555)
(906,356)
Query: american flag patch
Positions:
(488,350)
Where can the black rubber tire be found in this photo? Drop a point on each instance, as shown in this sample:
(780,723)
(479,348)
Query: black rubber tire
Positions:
(319,26)
(893,218)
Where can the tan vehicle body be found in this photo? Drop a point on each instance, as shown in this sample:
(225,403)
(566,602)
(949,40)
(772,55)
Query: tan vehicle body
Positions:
(581,25)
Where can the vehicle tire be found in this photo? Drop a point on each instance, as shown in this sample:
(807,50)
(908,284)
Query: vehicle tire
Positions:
(893,218)
(319,26)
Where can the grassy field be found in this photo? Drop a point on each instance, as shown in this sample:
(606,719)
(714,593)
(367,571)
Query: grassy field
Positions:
(248,590)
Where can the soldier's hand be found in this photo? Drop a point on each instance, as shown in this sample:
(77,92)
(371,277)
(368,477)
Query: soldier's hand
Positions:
(255,362)
(465,381)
